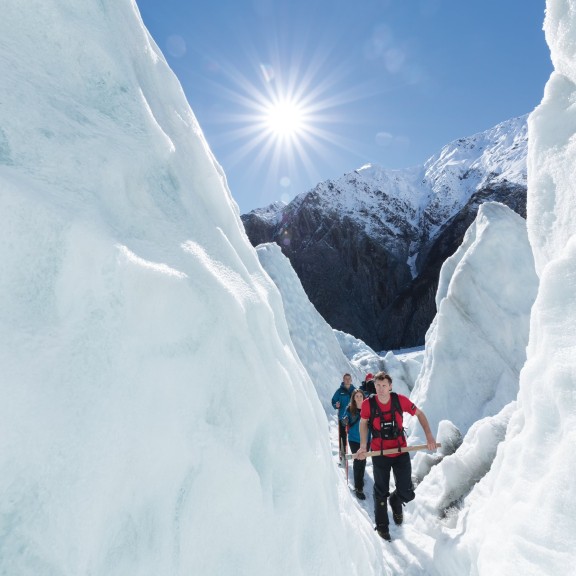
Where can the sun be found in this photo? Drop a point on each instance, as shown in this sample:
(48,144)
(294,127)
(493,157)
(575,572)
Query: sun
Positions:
(285,119)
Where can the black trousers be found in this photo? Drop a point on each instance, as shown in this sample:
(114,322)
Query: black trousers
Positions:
(359,466)
(342,437)
(401,467)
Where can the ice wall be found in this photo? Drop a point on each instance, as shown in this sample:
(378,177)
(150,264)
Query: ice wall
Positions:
(476,344)
(155,418)
(521,518)
(314,340)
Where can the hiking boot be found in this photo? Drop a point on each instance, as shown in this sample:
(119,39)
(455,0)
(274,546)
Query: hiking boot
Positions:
(396,505)
(360,494)
(384,533)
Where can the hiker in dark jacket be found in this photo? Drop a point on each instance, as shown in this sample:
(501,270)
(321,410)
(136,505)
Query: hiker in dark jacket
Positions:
(340,401)
(368,386)
(352,418)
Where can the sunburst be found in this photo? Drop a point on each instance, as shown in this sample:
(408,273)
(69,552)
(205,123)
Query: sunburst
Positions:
(284,120)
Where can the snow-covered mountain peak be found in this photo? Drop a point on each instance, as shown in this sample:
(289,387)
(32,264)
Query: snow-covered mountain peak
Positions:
(384,203)
(410,205)
(467,165)
(272,213)
(499,152)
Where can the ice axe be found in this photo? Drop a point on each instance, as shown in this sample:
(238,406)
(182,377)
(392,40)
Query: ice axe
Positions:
(414,448)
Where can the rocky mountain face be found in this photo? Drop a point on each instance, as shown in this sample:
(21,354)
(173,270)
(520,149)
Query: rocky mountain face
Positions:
(368,246)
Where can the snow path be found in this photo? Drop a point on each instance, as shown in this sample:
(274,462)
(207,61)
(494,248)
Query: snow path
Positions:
(411,552)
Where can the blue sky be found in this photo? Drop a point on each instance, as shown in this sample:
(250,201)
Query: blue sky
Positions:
(293,92)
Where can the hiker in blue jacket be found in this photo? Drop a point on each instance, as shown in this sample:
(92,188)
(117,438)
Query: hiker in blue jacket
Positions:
(340,401)
(352,418)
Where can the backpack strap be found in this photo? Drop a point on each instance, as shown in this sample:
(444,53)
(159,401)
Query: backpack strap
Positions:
(374,410)
(396,400)
(352,422)
(398,407)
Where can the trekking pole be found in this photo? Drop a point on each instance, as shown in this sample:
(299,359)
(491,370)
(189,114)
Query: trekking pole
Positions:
(346,461)
(343,460)
(414,448)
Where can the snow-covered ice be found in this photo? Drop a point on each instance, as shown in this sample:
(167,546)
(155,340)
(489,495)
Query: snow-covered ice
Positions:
(476,344)
(159,411)
(314,340)
(154,417)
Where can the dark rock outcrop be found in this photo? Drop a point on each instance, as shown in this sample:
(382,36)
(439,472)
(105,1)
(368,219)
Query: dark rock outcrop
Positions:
(414,308)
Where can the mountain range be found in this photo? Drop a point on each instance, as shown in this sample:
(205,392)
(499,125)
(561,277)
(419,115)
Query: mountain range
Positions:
(368,246)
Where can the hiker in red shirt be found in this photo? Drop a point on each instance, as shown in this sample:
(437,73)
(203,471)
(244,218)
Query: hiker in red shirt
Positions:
(382,415)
